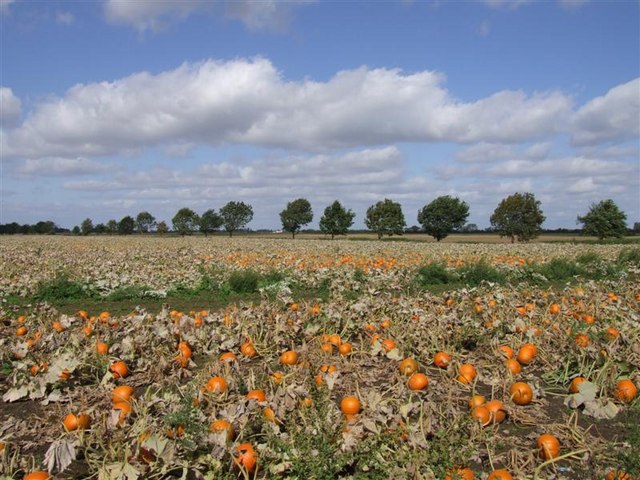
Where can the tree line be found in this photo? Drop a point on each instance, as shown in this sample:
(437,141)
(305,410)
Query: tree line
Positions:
(518,216)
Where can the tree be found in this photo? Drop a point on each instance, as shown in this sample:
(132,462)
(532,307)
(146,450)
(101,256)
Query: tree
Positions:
(126,225)
(112,227)
(210,221)
(185,222)
(162,228)
(86,227)
(518,215)
(145,222)
(100,228)
(76,230)
(336,220)
(235,215)
(636,228)
(297,214)
(604,220)
(45,228)
(385,218)
(443,215)
(470,228)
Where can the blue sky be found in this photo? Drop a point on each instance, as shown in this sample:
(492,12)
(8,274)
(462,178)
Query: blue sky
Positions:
(113,107)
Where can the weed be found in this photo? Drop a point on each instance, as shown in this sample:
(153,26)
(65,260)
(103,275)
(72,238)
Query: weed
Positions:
(61,288)
(629,255)
(132,292)
(588,258)
(244,281)
(434,274)
(476,273)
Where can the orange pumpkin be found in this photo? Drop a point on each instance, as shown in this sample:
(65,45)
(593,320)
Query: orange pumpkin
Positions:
(408,366)
(527,353)
(466,373)
(289,358)
(548,446)
(442,359)
(246,457)
(625,391)
(521,393)
(350,405)
(119,369)
(418,381)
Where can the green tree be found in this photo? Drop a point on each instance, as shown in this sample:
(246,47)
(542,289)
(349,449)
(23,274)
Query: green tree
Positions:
(297,214)
(145,222)
(235,215)
(162,228)
(603,220)
(185,222)
(518,216)
(86,226)
(126,225)
(636,228)
(443,215)
(45,228)
(112,227)
(210,221)
(76,230)
(385,218)
(336,220)
(100,228)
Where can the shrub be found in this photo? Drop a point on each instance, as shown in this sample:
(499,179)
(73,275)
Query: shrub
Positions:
(61,288)
(245,281)
(629,255)
(434,274)
(475,274)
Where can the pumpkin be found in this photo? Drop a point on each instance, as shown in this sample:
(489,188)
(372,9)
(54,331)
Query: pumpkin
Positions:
(477,401)
(119,369)
(460,474)
(102,348)
(481,414)
(554,309)
(506,350)
(345,349)
(122,393)
(289,358)
(442,359)
(37,475)
(527,353)
(521,393)
(246,457)
(574,387)
(513,366)
(216,385)
(257,395)
(80,422)
(500,475)
(228,357)
(408,366)
(350,405)
(496,408)
(625,391)
(466,373)
(248,350)
(418,381)
(548,446)
(221,425)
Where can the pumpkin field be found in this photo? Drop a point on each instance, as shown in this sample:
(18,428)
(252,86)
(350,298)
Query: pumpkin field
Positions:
(248,357)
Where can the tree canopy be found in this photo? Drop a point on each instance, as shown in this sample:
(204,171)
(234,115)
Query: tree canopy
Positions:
(297,214)
(385,218)
(235,215)
(145,222)
(518,216)
(443,215)
(86,226)
(210,221)
(603,220)
(126,225)
(185,221)
(336,220)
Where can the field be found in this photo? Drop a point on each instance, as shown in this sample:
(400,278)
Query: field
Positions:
(240,352)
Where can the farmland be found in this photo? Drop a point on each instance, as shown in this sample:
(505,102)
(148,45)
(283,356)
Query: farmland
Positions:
(201,326)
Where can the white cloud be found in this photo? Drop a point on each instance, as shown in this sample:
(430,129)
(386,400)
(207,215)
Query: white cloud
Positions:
(248,102)
(10,108)
(4,6)
(614,116)
(60,167)
(148,15)
(65,18)
(484,152)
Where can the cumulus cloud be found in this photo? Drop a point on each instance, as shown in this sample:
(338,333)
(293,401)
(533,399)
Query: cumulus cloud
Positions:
(484,152)
(60,167)
(10,108)
(258,15)
(248,102)
(614,116)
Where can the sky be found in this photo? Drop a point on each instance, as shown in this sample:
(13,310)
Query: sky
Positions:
(113,107)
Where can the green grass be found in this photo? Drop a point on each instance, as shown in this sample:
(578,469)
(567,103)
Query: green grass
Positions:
(62,288)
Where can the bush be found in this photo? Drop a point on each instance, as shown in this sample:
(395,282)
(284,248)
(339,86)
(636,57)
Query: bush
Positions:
(479,272)
(560,269)
(133,292)
(245,281)
(629,255)
(61,288)
(588,258)
(434,274)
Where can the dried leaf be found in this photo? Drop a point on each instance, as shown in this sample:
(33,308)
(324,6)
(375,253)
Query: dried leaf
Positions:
(60,454)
